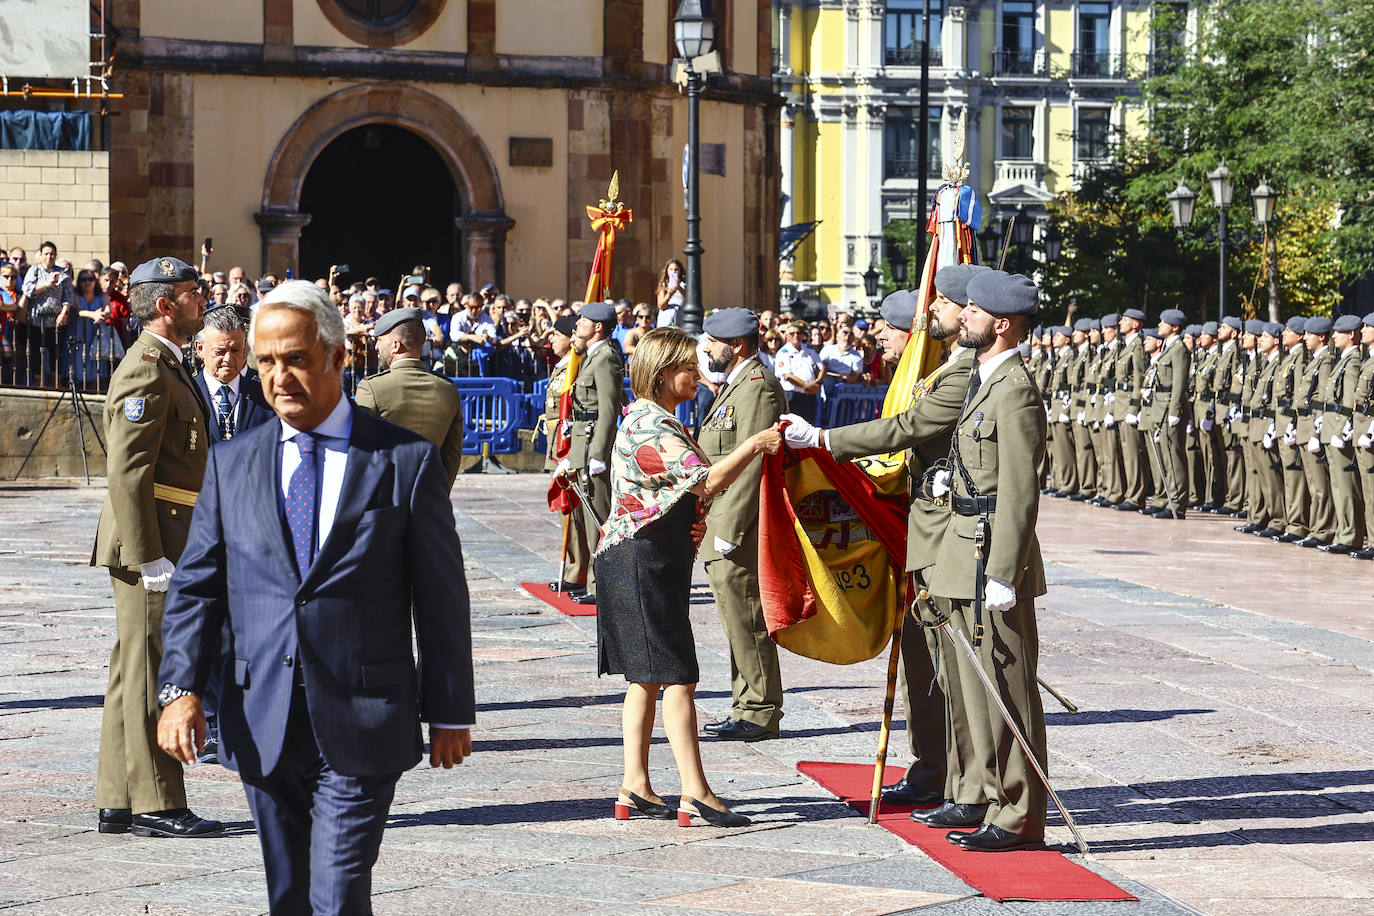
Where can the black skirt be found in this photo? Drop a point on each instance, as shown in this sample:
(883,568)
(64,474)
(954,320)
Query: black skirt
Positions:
(643,598)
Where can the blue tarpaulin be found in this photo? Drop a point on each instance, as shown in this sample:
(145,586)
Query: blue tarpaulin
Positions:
(69,130)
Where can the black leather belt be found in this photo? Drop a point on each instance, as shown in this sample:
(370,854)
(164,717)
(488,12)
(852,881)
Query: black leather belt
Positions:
(584,415)
(1285,403)
(1165,388)
(1264,413)
(977,505)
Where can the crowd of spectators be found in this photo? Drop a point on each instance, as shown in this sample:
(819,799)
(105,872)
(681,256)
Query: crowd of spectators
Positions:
(60,325)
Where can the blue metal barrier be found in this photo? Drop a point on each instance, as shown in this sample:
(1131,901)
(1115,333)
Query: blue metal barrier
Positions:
(492,409)
(852,404)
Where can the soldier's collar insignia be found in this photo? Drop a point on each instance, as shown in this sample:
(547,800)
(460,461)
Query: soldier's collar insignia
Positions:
(133,408)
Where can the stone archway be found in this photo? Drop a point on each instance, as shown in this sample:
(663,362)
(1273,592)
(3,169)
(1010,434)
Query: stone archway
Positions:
(483,226)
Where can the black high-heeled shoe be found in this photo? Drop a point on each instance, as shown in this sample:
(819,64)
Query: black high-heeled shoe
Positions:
(689,807)
(642,805)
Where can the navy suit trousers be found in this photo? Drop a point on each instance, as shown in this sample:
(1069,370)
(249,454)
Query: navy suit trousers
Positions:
(320,831)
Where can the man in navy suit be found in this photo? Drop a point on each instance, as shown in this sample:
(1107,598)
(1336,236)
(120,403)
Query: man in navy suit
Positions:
(236,405)
(319,538)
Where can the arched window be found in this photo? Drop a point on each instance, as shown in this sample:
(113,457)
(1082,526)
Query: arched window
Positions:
(377,12)
(381,23)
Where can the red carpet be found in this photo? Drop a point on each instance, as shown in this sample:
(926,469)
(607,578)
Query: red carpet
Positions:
(562,602)
(1032,874)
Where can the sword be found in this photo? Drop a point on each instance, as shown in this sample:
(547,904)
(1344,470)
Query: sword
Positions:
(582,496)
(1163,473)
(961,641)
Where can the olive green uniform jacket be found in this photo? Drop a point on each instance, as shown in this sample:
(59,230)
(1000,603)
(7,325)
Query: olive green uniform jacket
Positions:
(408,395)
(599,390)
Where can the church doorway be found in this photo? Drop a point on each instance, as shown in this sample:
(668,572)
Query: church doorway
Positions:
(381,200)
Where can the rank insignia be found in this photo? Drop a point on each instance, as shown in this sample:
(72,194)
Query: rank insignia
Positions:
(195,436)
(133,408)
(149,356)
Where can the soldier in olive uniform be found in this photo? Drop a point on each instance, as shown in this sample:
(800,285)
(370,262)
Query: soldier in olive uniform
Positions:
(579,559)
(1282,403)
(1041,368)
(1082,386)
(1267,511)
(407,394)
(598,397)
(1337,436)
(1206,418)
(1129,372)
(751,401)
(1064,464)
(1167,406)
(1111,491)
(1363,432)
(156,440)
(937,725)
(1315,374)
(992,489)
(1228,379)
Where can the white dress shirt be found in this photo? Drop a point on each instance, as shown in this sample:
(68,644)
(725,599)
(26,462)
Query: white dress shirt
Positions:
(213,385)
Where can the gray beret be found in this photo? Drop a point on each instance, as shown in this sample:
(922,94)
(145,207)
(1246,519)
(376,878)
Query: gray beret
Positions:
(952,281)
(1094,324)
(1111,320)
(566,325)
(1137,314)
(1254,326)
(1039,331)
(899,309)
(163,270)
(1193,330)
(1369,319)
(1273,328)
(388,322)
(1024,349)
(1347,323)
(1083,324)
(1297,324)
(1210,328)
(1174,317)
(725,324)
(597,311)
(1319,325)
(1060,329)
(1151,332)
(1231,321)
(1002,294)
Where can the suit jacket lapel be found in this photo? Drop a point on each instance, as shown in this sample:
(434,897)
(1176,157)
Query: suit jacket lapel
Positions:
(361,477)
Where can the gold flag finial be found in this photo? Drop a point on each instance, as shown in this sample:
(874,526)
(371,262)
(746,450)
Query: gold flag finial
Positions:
(612,202)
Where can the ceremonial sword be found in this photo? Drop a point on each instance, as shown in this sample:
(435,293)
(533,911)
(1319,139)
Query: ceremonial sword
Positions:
(1163,471)
(576,488)
(961,641)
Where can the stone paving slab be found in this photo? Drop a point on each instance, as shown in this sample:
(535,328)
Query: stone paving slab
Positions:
(1223,760)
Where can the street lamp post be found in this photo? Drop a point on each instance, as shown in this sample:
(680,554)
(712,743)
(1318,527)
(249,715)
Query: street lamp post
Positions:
(871,280)
(694,33)
(1220,179)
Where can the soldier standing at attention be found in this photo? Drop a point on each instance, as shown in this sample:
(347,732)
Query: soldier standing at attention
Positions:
(1130,379)
(598,398)
(1064,465)
(1169,396)
(409,395)
(993,492)
(936,723)
(1337,436)
(1110,491)
(580,534)
(1285,419)
(751,401)
(1206,418)
(1321,359)
(157,439)
(1266,508)
(1363,432)
(1228,379)
(1083,385)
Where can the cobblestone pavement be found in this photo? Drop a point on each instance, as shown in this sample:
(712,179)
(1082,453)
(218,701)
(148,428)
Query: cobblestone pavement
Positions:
(1223,760)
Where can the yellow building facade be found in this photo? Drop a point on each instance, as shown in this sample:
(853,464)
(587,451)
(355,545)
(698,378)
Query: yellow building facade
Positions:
(1045,85)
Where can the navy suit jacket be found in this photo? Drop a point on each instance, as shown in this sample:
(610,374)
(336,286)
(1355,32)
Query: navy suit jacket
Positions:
(251,408)
(391,556)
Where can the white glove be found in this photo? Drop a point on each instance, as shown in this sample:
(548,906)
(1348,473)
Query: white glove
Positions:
(1080,419)
(1314,445)
(1133,419)
(1190,427)
(723,547)
(1109,398)
(1347,430)
(1063,418)
(1109,421)
(1145,393)
(799,433)
(1290,435)
(1173,421)
(1318,423)
(1092,399)
(939,484)
(1338,442)
(563,468)
(596,467)
(1207,424)
(1367,440)
(157,575)
(1232,415)
(998,595)
(1065,400)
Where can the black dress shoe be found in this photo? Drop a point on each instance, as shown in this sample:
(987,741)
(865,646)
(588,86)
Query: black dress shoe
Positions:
(178,822)
(568,586)
(1336,548)
(1239,513)
(582,598)
(1046,491)
(745,731)
(210,753)
(1310,541)
(1286,538)
(951,814)
(1366,554)
(1126,507)
(992,838)
(903,792)
(1062,494)
(1168,513)
(115,820)
(1250,529)
(1149,510)
(712,727)
(1079,498)
(1267,532)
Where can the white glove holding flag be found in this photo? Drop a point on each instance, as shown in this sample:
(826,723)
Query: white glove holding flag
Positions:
(998,595)
(799,433)
(157,575)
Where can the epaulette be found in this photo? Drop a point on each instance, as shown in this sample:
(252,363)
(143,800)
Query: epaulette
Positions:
(756,378)
(149,356)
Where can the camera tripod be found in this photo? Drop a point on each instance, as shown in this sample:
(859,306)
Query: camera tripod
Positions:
(79,407)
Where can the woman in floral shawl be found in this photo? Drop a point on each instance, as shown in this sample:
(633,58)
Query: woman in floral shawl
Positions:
(660,483)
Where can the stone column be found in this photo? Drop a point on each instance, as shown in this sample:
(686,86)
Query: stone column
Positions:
(281,238)
(953,39)
(484,243)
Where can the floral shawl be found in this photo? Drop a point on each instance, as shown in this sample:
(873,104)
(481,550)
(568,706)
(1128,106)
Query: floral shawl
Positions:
(654,463)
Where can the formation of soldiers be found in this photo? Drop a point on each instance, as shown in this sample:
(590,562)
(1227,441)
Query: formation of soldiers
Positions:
(1272,424)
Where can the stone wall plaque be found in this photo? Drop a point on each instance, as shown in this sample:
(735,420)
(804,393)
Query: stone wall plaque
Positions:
(534,152)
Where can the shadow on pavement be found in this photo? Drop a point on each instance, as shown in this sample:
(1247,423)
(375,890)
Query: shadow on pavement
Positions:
(1118,716)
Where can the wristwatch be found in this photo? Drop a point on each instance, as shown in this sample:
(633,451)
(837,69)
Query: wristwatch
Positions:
(170,692)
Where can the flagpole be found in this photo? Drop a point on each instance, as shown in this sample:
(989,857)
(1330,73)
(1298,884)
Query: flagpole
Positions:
(880,767)
(563,554)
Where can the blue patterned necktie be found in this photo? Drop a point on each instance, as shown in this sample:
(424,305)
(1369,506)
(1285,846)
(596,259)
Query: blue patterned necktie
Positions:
(224,412)
(300,502)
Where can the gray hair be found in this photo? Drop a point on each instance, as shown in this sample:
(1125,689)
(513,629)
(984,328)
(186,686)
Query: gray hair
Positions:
(304,296)
(143,299)
(223,319)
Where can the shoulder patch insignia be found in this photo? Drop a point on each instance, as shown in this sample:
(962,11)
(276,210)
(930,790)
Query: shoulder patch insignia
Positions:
(149,356)
(133,408)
